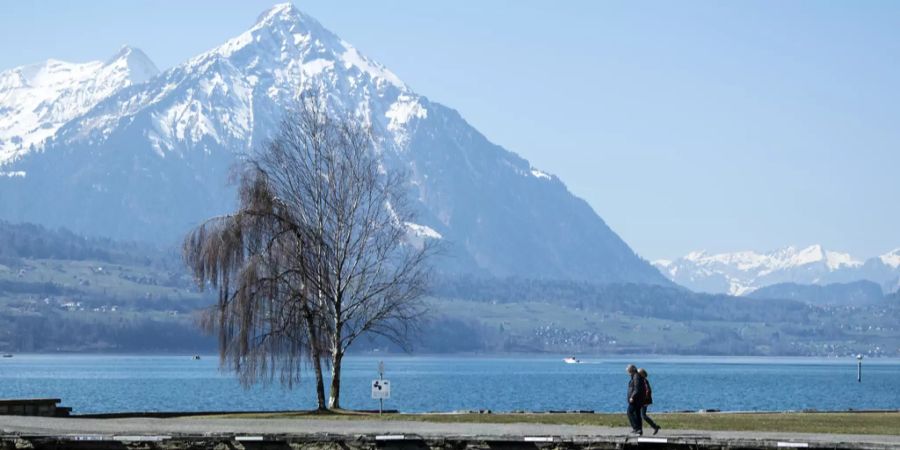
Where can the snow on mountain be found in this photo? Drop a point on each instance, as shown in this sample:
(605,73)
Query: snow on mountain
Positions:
(891,259)
(36,100)
(222,96)
(740,273)
(152,159)
(418,234)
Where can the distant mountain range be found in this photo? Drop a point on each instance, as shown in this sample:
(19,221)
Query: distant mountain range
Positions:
(855,293)
(741,273)
(36,100)
(118,149)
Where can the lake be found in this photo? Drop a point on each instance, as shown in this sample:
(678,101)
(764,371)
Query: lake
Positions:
(109,383)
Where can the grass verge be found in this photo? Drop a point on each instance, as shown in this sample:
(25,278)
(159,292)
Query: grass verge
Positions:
(831,423)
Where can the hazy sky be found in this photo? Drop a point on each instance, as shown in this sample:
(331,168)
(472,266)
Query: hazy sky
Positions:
(702,125)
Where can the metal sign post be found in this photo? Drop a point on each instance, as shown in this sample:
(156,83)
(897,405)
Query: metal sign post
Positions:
(381,388)
(859,368)
(380,377)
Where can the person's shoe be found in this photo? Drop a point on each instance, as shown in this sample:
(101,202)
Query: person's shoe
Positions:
(656,430)
(637,432)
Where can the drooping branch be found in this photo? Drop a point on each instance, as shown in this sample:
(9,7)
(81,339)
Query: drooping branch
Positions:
(259,317)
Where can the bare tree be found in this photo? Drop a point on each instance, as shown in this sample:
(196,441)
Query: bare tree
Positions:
(367,276)
(317,254)
(264,318)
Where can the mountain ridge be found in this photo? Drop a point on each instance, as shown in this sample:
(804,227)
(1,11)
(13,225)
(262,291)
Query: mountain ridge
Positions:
(37,99)
(741,273)
(854,293)
(151,160)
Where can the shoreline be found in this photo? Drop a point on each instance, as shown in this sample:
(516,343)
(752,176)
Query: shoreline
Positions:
(471,412)
(587,359)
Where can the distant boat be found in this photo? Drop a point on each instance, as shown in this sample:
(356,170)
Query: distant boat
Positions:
(196,357)
(572,360)
(7,355)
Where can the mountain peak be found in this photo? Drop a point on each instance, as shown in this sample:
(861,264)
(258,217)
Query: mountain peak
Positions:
(280,12)
(135,62)
(738,273)
(40,98)
(285,37)
(128,52)
(278,29)
(811,254)
(287,21)
(891,258)
(152,159)
(123,52)
(816,253)
(696,255)
(815,248)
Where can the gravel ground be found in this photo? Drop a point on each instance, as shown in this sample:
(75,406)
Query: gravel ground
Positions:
(199,426)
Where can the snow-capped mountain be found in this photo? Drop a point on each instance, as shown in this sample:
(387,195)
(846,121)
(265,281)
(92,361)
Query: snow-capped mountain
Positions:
(36,100)
(740,273)
(891,259)
(151,160)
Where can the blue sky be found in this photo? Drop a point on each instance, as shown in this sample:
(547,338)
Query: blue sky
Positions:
(686,125)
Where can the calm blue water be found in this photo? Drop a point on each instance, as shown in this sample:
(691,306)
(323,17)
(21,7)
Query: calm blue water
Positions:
(177,383)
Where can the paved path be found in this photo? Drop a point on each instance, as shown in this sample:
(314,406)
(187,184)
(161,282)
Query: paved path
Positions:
(187,426)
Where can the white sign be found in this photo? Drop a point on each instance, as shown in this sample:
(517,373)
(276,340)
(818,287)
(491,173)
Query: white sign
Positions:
(381,389)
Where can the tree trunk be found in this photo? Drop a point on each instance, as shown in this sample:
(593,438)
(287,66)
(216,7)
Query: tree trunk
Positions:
(334,401)
(320,382)
(316,355)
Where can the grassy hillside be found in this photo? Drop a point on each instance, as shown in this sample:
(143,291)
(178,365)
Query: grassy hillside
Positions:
(59,305)
(553,316)
(62,292)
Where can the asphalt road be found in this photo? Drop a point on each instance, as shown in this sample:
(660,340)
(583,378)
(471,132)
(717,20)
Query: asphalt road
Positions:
(188,426)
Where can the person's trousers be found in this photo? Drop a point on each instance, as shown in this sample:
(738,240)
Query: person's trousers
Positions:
(634,416)
(647,418)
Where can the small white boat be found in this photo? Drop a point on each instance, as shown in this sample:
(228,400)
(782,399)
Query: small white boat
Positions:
(572,360)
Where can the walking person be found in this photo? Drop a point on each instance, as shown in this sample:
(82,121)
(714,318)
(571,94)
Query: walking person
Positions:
(636,393)
(648,400)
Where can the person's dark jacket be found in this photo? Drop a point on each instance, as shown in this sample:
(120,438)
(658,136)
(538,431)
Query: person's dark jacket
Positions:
(648,398)
(637,389)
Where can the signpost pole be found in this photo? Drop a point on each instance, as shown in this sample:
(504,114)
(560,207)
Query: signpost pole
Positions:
(381,388)
(380,377)
(859,368)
